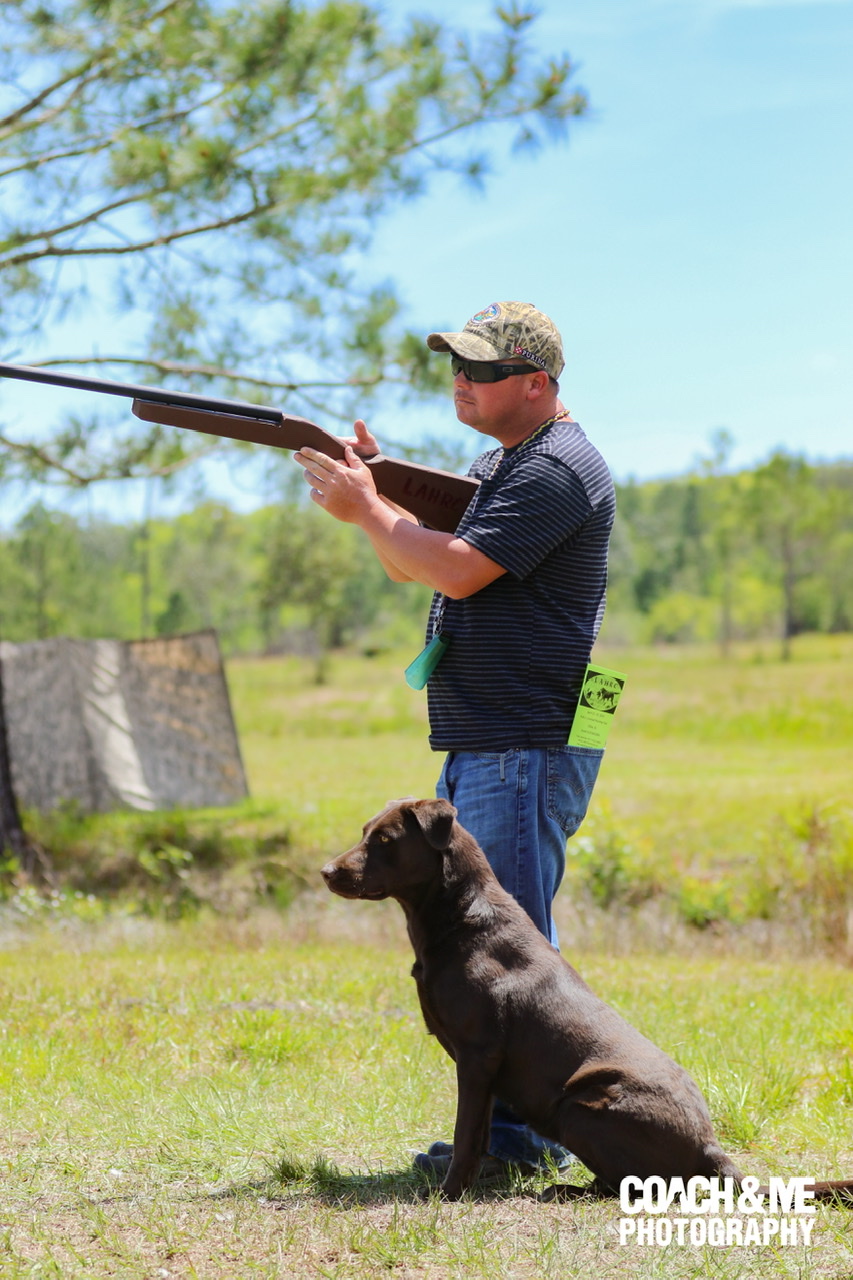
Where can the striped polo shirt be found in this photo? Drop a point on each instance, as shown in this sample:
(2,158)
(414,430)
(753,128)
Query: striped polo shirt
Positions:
(512,673)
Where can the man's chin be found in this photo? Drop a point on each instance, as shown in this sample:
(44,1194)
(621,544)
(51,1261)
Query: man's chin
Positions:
(467,414)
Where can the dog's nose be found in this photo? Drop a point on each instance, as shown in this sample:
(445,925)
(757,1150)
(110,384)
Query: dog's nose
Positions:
(328,872)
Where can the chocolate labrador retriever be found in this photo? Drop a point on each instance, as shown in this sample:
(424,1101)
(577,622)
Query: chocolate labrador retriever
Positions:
(519,1021)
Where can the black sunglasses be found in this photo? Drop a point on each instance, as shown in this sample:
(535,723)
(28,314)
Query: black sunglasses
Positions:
(486,371)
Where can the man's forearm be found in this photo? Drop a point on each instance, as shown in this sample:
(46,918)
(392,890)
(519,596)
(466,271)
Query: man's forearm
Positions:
(439,560)
(394,572)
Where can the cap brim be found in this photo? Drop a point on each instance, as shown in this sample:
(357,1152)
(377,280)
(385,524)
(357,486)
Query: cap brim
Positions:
(467,345)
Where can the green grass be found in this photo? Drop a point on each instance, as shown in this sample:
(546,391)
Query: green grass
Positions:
(722,816)
(329,756)
(186,1101)
(723,800)
(702,751)
(697,745)
(238,1092)
(707,751)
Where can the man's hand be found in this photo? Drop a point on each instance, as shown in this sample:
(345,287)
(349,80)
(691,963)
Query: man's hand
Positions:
(345,489)
(363,442)
(408,552)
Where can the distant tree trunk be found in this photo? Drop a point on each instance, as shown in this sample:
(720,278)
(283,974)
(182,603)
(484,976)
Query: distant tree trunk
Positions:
(726,618)
(32,860)
(726,595)
(145,579)
(11,831)
(789,579)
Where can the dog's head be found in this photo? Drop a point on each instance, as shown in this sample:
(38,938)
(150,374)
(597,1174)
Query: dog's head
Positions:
(399,854)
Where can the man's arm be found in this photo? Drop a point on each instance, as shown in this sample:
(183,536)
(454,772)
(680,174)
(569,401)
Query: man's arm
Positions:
(364,444)
(407,551)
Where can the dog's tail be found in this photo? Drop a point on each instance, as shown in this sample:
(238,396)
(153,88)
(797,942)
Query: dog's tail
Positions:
(840,1192)
(837,1192)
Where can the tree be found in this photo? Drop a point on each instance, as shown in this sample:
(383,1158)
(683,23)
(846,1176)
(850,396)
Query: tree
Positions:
(767,544)
(792,518)
(11,832)
(220,169)
(318,566)
(46,549)
(30,859)
(724,502)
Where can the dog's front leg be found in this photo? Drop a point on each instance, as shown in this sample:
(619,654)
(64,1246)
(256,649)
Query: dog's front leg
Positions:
(473,1124)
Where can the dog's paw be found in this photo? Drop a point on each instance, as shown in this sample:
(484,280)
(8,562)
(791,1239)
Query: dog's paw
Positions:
(451,1192)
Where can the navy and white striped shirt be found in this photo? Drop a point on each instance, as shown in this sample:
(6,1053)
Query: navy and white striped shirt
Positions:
(512,674)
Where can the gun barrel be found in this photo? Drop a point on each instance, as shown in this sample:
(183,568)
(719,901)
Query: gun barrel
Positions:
(134,391)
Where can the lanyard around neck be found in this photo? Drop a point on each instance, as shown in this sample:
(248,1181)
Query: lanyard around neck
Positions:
(543,426)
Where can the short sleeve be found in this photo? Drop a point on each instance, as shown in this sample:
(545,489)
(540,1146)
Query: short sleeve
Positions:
(539,504)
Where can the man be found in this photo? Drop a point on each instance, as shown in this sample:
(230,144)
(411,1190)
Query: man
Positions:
(519,597)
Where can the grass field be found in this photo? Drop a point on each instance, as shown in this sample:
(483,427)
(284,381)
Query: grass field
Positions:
(724,798)
(181,1101)
(698,745)
(239,1094)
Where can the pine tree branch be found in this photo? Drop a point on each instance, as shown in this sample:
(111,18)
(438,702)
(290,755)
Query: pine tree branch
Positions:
(84,220)
(95,144)
(189,370)
(158,242)
(39,457)
(25,108)
(48,116)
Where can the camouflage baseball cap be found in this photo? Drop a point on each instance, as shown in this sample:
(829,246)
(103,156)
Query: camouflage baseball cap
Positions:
(504,331)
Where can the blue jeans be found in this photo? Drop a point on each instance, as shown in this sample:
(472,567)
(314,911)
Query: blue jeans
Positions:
(521,806)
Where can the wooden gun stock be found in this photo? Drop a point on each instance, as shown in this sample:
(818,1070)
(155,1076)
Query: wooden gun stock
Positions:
(436,497)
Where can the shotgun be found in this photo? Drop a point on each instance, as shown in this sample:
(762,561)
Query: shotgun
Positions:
(438,498)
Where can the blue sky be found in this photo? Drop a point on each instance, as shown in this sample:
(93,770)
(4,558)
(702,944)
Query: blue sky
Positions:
(692,238)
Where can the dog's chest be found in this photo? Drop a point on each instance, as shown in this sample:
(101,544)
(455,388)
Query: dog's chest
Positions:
(461,999)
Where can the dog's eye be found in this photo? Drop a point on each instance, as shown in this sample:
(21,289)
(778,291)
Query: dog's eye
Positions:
(384,839)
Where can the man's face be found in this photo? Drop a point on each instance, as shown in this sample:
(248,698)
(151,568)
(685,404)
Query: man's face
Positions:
(491,407)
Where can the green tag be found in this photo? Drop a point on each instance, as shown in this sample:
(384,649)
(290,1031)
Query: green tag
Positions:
(417,673)
(600,694)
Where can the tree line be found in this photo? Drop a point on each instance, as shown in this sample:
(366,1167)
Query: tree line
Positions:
(726,556)
(707,556)
(283,577)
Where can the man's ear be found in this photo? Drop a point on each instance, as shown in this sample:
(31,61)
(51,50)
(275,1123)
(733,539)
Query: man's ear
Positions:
(539,384)
(435,819)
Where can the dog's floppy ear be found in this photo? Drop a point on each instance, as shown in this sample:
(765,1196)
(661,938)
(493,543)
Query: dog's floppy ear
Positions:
(435,819)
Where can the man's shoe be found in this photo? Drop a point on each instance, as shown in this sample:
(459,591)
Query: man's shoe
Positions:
(492,1173)
(440,1149)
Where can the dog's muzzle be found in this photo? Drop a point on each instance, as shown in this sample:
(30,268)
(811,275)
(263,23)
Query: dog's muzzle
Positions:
(341,880)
